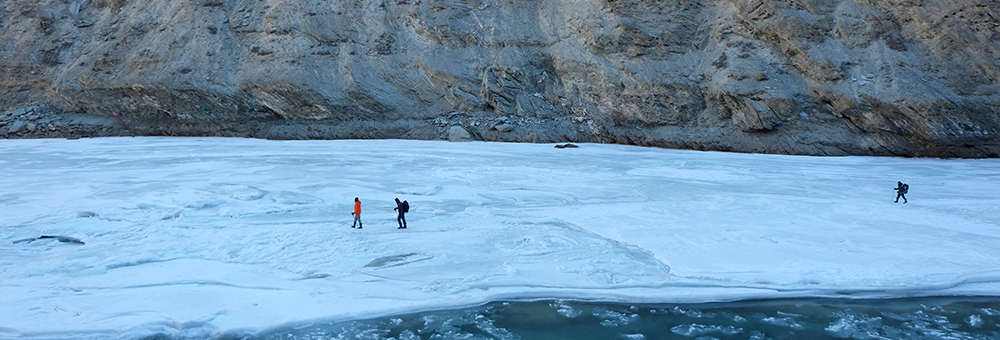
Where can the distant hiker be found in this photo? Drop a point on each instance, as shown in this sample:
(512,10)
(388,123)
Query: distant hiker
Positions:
(901,189)
(402,208)
(357,213)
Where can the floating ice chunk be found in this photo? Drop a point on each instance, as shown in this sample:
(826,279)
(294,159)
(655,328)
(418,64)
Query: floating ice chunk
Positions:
(691,313)
(634,336)
(852,324)
(566,310)
(694,330)
(783,322)
(486,325)
(613,318)
(974,321)
(408,335)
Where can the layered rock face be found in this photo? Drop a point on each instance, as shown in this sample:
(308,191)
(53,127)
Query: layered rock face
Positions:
(816,77)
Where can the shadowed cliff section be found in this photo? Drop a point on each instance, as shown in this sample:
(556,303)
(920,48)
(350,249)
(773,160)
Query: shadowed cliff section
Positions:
(901,77)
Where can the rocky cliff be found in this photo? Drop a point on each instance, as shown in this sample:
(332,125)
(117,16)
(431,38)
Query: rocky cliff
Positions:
(817,77)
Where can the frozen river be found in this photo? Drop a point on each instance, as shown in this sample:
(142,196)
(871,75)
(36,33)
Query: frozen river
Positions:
(203,237)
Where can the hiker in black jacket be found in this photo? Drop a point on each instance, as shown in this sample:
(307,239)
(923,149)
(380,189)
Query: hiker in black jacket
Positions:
(402,208)
(901,190)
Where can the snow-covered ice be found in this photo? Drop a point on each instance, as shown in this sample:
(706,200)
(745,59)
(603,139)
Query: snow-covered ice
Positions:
(200,236)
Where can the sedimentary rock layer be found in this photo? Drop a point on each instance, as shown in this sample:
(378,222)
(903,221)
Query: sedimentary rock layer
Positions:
(836,77)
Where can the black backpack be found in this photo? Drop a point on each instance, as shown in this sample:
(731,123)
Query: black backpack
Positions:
(406,207)
(906,188)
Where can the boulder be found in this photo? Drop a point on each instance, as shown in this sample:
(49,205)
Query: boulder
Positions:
(458,134)
(14,128)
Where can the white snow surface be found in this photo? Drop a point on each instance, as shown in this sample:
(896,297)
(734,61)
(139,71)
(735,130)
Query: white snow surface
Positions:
(196,237)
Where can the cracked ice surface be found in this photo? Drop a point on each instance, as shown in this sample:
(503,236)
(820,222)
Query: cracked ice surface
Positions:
(198,236)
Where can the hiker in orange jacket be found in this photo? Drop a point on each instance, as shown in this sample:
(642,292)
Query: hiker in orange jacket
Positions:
(357,213)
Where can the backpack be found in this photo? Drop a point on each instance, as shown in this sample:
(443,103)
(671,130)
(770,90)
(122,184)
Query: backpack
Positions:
(406,207)
(906,188)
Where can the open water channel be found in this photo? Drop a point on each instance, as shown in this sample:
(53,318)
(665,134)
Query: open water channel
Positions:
(921,318)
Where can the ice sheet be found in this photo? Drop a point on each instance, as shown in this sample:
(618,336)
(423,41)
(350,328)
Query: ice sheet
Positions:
(198,236)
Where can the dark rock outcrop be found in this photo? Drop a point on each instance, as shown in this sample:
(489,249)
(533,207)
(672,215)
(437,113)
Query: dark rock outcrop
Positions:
(838,77)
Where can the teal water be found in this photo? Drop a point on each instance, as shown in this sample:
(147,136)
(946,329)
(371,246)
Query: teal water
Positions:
(924,318)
